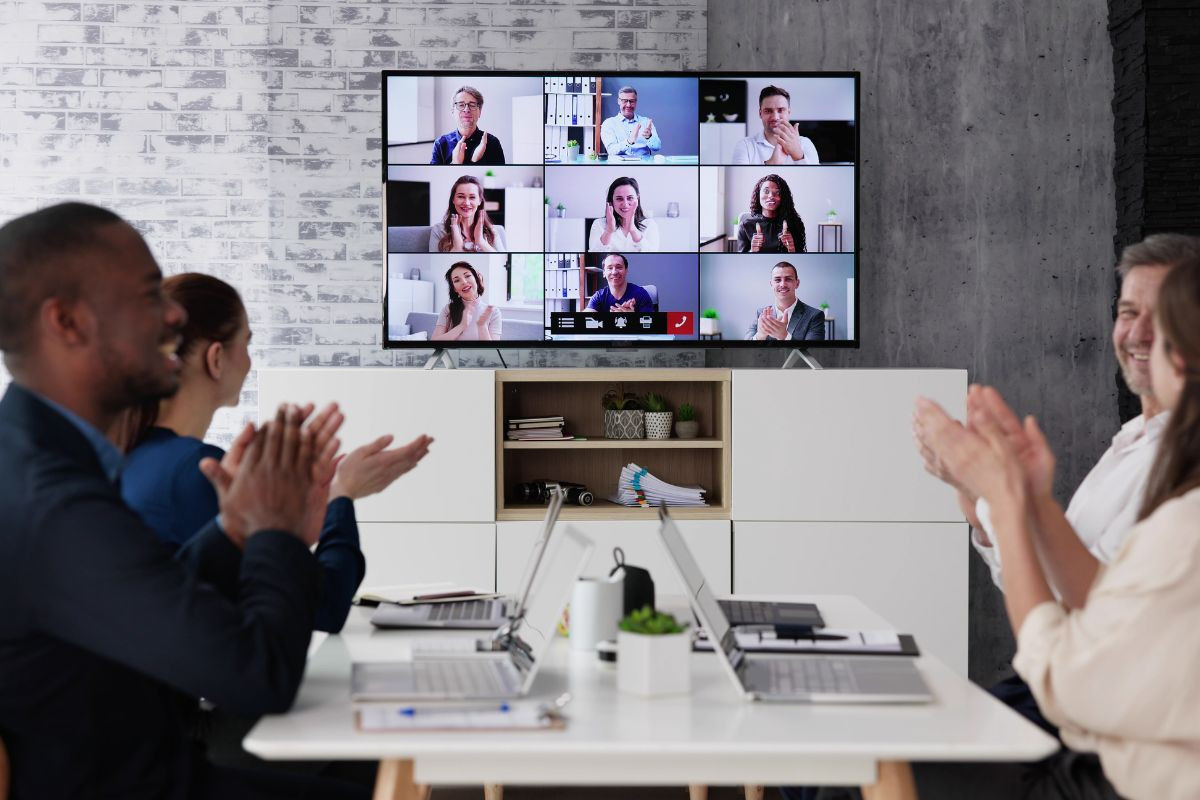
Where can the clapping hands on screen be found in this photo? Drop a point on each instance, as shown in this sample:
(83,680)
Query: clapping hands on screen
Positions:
(768,324)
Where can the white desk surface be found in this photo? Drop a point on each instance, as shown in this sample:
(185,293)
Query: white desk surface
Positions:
(708,736)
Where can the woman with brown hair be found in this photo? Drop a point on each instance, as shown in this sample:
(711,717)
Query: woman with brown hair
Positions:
(1116,674)
(161,479)
(465,227)
(467,317)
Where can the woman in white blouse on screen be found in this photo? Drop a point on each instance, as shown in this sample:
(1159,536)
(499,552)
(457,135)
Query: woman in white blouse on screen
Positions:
(466,317)
(625,228)
(1118,673)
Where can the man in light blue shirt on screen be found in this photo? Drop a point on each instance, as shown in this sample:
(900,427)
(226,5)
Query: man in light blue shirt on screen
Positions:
(628,133)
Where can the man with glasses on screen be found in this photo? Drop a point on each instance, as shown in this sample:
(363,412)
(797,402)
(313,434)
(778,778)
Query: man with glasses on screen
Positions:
(627,133)
(467,143)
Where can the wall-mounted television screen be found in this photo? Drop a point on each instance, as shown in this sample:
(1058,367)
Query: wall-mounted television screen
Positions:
(632,209)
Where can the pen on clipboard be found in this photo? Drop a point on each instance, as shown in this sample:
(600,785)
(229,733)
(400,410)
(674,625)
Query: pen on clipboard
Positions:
(412,711)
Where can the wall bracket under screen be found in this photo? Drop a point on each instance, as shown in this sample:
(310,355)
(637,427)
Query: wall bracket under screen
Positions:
(800,354)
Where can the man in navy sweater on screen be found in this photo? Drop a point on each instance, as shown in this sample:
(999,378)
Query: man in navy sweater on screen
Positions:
(618,294)
(106,640)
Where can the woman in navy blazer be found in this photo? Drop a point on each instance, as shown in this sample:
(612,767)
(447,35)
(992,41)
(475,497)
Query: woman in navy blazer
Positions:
(163,483)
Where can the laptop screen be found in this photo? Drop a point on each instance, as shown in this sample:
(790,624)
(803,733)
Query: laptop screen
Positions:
(561,566)
(711,616)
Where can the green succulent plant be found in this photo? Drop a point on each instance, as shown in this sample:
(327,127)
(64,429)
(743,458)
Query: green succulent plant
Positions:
(654,402)
(647,621)
(685,413)
(709,313)
(617,399)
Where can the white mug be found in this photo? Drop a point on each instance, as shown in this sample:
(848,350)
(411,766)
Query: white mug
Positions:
(596,608)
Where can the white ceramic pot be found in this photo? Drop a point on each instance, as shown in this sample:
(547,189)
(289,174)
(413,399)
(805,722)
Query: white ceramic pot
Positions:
(658,424)
(708,326)
(654,665)
(572,153)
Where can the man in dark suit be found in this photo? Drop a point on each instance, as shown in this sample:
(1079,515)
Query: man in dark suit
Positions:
(106,641)
(789,317)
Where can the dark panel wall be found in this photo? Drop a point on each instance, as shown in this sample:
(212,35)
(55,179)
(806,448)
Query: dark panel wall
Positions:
(987,204)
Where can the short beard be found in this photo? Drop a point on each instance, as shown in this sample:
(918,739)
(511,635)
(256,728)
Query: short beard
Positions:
(1134,384)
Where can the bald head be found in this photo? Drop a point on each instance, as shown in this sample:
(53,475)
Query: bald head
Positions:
(46,255)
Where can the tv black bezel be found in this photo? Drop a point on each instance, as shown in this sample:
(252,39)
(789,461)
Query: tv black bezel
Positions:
(629,344)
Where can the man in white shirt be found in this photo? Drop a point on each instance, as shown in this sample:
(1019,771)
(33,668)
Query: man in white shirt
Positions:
(628,133)
(1104,508)
(778,142)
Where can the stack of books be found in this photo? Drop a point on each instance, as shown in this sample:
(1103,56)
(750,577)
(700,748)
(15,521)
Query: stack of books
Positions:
(540,429)
(637,487)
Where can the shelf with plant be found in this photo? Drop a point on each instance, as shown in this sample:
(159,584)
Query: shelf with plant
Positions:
(584,397)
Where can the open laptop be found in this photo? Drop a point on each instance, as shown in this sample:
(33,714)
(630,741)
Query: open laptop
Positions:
(480,614)
(482,676)
(786,677)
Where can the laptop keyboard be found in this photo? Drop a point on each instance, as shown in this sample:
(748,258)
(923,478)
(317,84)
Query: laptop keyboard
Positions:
(479,678)
(812,676)
(473,610)
(746,611)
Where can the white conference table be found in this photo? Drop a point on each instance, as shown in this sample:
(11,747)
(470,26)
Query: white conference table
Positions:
(710,736)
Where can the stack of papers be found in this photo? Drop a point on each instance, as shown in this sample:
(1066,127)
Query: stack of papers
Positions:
(637,487)
(538,429)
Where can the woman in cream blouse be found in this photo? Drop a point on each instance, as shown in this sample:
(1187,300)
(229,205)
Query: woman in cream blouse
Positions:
(1118,673)
(625,228)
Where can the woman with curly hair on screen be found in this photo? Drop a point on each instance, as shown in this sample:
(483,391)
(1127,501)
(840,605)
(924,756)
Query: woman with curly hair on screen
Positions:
(772,226)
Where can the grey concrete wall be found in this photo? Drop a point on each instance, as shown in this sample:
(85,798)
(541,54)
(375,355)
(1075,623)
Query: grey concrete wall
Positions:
(987,204)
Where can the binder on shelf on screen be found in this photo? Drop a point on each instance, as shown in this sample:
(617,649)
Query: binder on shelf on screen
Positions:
(549,109)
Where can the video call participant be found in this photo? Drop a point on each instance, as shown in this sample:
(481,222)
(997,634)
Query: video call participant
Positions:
(468,143)
(778,142)
(466,317)
(624,227)
(618,294)
(465,227)
(628,133)
(106,639)
(772,226)
(789,317)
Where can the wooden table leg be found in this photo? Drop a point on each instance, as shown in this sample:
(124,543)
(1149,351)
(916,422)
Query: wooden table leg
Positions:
(697,791)
(493,791)
(395,781)
(753,792)
(895,783)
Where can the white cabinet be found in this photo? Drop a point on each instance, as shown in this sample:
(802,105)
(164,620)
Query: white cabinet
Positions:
(837,444)
(708,539)
(399,553)
(524,216)
(912,574)
(717,140)
(456,481)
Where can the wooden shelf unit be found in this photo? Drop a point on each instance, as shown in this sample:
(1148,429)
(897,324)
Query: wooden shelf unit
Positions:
(597,462)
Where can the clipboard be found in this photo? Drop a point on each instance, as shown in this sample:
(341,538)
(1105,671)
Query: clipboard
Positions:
(393,718)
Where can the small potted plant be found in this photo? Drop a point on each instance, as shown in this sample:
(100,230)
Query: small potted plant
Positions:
(658,416)
(561,208)
(489,180)
(623,416)
(653,654)
(830,215)
(825,307)
(547,199)
(572,149)
(687,426)
(708,322)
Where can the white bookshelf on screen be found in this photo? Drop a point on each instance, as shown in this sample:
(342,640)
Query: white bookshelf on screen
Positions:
(571,109)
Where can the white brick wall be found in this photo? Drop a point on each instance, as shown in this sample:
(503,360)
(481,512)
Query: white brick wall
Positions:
(244,140)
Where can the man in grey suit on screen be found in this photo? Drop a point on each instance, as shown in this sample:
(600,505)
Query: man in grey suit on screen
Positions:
(789,318)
